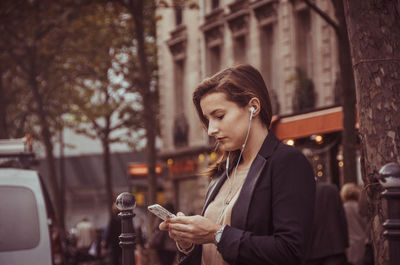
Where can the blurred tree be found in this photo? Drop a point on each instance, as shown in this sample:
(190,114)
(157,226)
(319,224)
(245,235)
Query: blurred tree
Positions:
(143,80)
(31,43)
(103,99)
(348,94)
(374,32)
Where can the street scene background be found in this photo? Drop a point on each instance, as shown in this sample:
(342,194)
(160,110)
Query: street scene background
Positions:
(100,95)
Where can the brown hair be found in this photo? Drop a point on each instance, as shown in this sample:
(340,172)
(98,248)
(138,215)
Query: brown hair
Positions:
(240,84)
(350,192)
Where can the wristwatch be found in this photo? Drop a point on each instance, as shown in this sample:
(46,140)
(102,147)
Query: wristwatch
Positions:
(218,235)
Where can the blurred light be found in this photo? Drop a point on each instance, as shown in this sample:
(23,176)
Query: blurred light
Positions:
(316,158)
(320,174)
(201,158)
(318,139)
(339,157)
(213,156)
(289,142)
(341,164)
(319,166)
(170,161)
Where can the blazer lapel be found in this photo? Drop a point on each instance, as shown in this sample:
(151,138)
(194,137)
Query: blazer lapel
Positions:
(241,208)
(244,199)
(213,189)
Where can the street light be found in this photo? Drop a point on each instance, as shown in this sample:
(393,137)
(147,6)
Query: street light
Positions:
(126,203)
(390,181)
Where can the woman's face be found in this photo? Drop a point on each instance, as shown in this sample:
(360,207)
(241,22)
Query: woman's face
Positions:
(227,121)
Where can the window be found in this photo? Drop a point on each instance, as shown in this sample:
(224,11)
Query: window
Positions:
(178,80)
(267,53)
(214,4)
(181,128)
(239,49)
(178,14)
(19,220)
(214,60)
(304,42)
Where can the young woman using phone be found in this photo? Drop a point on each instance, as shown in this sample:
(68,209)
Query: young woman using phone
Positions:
(259,204)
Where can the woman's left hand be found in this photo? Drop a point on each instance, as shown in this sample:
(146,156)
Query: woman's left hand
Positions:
(196,229)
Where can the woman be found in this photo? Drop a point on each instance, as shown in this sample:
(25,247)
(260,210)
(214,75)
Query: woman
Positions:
(356,224)
(260,201)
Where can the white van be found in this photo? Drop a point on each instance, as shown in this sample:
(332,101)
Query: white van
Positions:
(25,225)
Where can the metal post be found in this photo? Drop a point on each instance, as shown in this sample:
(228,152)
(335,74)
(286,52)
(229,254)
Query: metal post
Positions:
(390,181)
(126,203)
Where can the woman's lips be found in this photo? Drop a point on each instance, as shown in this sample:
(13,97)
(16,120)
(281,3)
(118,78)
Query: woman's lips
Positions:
(221,139)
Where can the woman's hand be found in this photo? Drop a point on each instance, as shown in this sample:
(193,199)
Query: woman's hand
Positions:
(193,229)
(165,227)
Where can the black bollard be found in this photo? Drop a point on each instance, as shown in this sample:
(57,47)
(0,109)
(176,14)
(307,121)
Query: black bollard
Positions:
(126,203)
(390,181)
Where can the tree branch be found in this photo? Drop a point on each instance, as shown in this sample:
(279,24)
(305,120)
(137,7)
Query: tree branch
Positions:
(324,15)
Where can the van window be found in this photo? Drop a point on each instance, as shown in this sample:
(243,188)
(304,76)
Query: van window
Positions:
(19,220)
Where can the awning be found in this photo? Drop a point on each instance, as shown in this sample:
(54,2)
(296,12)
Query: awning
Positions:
(312,123)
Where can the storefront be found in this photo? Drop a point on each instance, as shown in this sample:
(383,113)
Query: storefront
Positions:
(318,134)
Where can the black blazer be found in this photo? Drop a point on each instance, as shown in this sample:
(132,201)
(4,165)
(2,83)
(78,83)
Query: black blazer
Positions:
(271,219)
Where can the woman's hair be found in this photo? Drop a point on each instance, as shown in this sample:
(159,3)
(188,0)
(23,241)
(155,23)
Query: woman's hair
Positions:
(350,192)
(240,84)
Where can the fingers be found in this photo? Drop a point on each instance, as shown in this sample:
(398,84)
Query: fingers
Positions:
(163,226)
(180,214)
(182,219)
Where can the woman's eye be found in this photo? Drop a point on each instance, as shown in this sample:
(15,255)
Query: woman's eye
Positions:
(220,117)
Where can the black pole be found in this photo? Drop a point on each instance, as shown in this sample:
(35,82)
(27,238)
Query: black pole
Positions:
(390,181)
(126,203)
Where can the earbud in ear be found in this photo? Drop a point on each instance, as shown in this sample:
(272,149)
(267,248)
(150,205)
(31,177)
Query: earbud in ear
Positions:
(252,109)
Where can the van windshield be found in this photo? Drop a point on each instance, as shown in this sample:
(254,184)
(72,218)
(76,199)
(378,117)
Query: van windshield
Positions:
(19,220)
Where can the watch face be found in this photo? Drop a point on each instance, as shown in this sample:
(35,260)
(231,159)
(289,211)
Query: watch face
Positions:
(218,235)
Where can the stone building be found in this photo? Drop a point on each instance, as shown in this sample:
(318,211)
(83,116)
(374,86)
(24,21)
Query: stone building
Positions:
(292,46)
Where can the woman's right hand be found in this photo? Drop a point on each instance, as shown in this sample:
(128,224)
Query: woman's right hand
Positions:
(164,226)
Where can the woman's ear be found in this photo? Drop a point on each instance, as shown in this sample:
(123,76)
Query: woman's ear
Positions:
(254,106)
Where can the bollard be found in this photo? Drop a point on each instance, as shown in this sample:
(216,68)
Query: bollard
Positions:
(126,203)
(390,181)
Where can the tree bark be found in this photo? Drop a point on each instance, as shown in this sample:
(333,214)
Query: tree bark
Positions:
(107,167)
(63,178)
(348,94)
(3,109)
(46,137)
(374,33)
(137,11)
(349,138)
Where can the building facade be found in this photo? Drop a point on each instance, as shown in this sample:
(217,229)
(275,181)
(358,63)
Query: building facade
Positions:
(292,46)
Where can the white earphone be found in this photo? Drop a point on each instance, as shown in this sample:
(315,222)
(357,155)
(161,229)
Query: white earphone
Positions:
(252,109)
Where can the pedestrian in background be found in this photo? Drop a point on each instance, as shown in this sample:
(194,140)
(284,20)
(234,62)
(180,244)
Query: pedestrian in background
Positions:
(259,204)
(356,224)
(329,228)
(85,235)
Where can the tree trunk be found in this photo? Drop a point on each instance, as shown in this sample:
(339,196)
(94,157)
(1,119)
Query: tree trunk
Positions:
(63,178)
(137,11)
(46,140)
(374,33)
(107,170)
(349,139)
(3,110)
(348,94)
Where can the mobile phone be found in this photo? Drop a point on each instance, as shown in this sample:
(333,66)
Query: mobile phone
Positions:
(160,211)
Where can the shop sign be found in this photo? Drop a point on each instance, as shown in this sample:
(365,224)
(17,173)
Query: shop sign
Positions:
(182,166)
(141,170)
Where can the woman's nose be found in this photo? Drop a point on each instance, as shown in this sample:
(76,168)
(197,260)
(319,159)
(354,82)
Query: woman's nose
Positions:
(212,129)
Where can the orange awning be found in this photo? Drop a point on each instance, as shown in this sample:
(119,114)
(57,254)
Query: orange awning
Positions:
(307,124)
